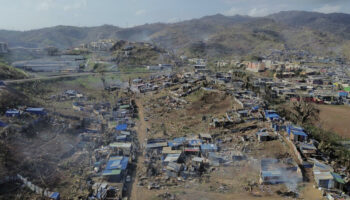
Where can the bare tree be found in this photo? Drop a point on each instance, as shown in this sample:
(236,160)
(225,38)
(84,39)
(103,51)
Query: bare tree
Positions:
(303,112)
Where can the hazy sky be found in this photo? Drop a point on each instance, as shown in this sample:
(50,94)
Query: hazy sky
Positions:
(32,14)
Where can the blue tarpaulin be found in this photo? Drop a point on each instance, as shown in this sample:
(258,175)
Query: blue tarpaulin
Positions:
(55,196)
(195,142)
(343,94)
(301,133)
(121,127)
(255,108)
(12,113)
(294,128)
(2,124)
(272,116)
(117,162)
(38,111)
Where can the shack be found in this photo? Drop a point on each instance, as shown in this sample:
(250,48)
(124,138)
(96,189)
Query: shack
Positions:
(205,137)
(323,176)
(116,168)
(175,157)
(263,135)
(307,149)
(271,115)
(13,113)
(121,148)
(206,148)
(36,111)
(55,196)
(121,127)
(296,133)
(274,171)
(177,143)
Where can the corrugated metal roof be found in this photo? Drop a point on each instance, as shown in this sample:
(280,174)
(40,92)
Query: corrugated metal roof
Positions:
(209,147)
(111,172)
(120,145)
(323,175)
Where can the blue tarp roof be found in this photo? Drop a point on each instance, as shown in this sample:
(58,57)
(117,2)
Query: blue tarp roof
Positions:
(35,109)
(301,133)
(12,112)
(117,162)
(2,124)
(343,93)
(121,127)
(195,142)
(255,107)
(55,195)
(267,112)
(296,128)
(272,116)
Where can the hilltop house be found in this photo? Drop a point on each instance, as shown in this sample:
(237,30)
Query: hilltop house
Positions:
(256,67)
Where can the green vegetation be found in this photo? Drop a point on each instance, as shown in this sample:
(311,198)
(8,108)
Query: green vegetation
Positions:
(9,72)
(139,54)
(330,145)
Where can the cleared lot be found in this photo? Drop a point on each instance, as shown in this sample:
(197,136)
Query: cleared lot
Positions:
(336,118)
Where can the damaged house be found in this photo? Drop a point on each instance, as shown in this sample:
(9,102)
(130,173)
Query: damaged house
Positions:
(274,171)
(296,134)
(116,168)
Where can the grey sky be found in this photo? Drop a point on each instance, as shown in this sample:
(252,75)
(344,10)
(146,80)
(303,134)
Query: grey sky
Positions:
(32,14)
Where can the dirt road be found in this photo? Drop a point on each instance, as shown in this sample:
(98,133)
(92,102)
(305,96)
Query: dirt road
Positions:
(141,127)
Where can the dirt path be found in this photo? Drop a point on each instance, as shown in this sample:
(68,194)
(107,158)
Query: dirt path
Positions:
(141,127)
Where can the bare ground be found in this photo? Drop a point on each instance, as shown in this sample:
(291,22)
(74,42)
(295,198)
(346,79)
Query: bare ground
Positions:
(335,118)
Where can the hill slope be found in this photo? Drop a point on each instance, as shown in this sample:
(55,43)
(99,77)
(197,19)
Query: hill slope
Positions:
(216,35)
(9,72)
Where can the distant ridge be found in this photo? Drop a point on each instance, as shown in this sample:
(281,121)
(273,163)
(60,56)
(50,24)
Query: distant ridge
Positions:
(216,35)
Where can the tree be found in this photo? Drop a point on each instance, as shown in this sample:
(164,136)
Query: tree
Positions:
(303,112)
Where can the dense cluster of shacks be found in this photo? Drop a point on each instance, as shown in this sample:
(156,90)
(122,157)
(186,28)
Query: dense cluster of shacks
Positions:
(296,75)
(169,160)
(109,137)
(114,144)
(320,80)
(33,116)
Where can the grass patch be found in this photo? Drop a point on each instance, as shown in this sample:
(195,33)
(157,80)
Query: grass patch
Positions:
(9,72)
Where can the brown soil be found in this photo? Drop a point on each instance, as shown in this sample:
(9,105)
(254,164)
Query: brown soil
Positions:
(335,118)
